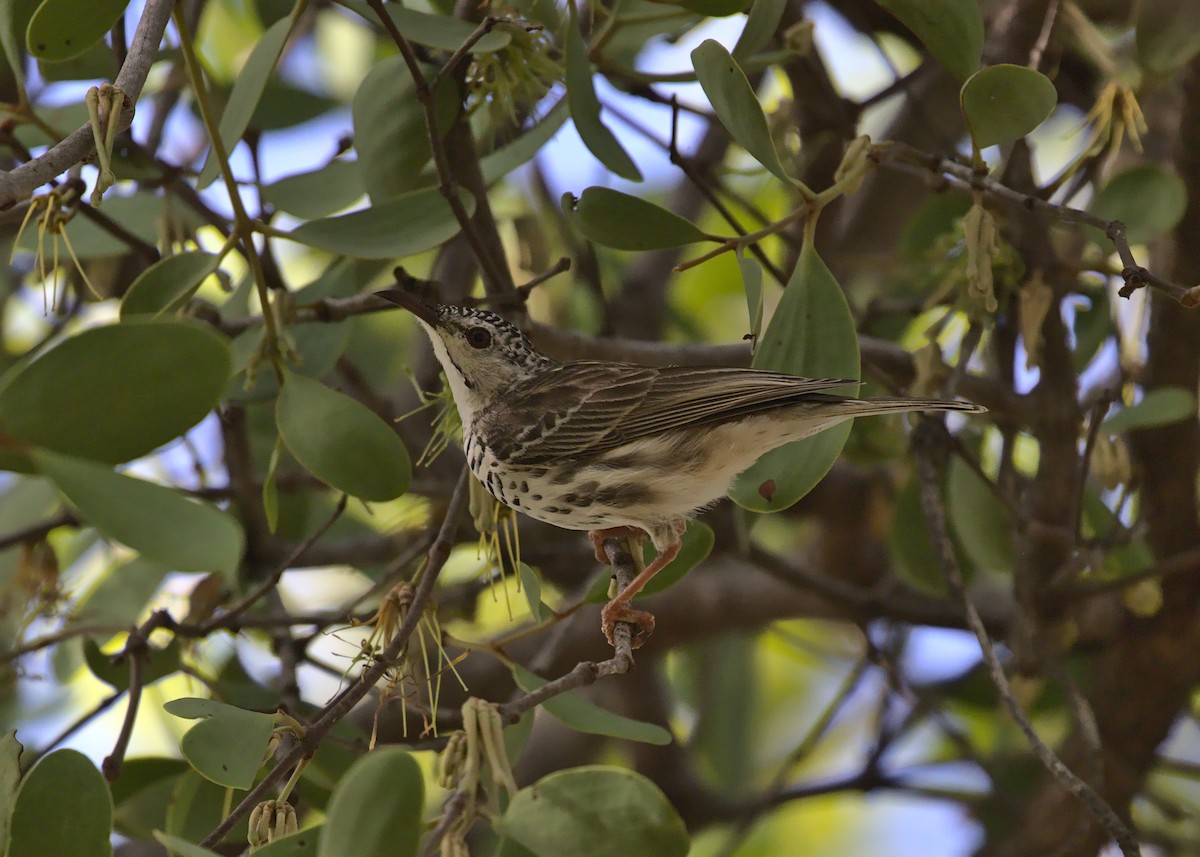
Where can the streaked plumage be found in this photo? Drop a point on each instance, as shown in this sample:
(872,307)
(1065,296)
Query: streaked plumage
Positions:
(594,445)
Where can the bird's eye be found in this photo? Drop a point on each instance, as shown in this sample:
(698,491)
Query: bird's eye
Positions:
(479,337)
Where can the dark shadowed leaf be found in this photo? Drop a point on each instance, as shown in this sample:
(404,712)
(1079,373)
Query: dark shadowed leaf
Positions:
(196,806)
(167,284)
(157,664)
(358,822)
(626,222)
(715,8)
(119,391)
(585,106)
(595,811)
(952,30)
(10,777)
(409,224)
(157,522)
(584,716)
(811,334)
(14,22)
(227,746)
(531,587)
(1003,103)
(181,847)
(1149,199)
(301,844)
(142,793)
(980,520)
(1167,34)
(341,441)
(64,786)
(62,29)
(1157,408)
(247,90)
(735,104)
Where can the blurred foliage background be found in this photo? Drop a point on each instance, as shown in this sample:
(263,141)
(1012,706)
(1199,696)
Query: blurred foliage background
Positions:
(236,546)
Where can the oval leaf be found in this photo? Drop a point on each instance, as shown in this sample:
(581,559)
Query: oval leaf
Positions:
(952,30)
(595,811)
(63,29)
(157,522)
(626,222)
(409,224)
(359,823)
(585,106)
(167,284)
(341,441)
(1167,34)
(1003,103)
(228,745)
(760,28)
(119,391)
(735,104)
(1157,408)
(301,844)
(318,192)
(697,544)
(584,716)
(247,90)
(66,786)
(1149,199)
(811,334)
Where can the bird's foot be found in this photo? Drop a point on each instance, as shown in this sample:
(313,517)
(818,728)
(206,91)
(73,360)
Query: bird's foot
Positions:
(615,611)
(598,537)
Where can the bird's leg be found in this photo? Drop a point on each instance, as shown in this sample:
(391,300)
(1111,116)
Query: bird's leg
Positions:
(618,609)
(598,537)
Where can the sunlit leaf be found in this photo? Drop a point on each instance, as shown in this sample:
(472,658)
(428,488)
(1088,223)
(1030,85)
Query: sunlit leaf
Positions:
(228,745)
(952,30)
(811,334)
(1003,103)
(595,811)
(735,104)
(584,716)
(626,222)
(340,441)
(359,823)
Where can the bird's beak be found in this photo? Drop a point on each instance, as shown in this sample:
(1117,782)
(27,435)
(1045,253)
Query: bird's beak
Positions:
(422,309)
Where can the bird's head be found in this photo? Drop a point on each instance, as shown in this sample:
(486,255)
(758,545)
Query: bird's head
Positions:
(482,354)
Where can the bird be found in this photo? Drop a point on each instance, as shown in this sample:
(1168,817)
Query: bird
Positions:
(620,448)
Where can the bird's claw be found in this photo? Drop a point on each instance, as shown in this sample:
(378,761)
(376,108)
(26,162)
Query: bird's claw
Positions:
(643,623)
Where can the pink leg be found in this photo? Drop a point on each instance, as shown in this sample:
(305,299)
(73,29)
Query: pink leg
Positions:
(598,537)
(618,610)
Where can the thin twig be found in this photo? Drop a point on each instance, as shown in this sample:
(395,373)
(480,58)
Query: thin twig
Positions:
(114,761)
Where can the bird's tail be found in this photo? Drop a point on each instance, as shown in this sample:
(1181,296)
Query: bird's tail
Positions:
(901,404)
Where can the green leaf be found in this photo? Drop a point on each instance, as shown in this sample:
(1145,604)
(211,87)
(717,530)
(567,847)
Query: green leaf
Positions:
(340,440)
(159,663)
(585,106)
(409,224)
(1158,407)
(626,222)
(531,586)
(247,90)
(504,160)
(167,284)
(10,778)
(181,847)
(319,192)
(595,811)
(196,806)
(119,391)
(62,808)
(1003,103)
(120,596)
(227,746)
(752,281)
(358,822)
(1149,199)
(301,844)
(981,523)
(735,104)
(62,29)
(952,30)
(715,8)
(909,545)
(157,522)
(1167,35)
(390,134)
(760,28)
(142,795)
(14,22)
(584,716)
(811,334)
(443,32)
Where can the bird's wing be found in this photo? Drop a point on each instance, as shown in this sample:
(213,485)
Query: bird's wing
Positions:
(586,408)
